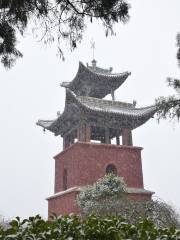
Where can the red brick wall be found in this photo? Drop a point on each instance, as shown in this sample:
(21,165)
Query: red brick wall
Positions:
(64,204)
(140,196)
(87,162)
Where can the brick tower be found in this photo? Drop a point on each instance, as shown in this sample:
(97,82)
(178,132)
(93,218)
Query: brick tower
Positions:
(97,137)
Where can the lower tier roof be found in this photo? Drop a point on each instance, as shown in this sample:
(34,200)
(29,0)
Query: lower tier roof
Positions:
(97,112)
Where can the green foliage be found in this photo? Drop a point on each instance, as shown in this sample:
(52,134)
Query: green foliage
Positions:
(8,51)
(90,228)
(178,45)
(170,106)
(55,20)
(14,17)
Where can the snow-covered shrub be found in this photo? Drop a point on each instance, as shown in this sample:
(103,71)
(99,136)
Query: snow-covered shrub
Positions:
(161,213)
(103,197)
(108,196)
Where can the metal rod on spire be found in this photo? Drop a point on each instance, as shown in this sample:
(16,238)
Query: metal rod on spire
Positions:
(93,46)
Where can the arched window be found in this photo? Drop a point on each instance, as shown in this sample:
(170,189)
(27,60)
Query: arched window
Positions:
(65,179)
(111,169)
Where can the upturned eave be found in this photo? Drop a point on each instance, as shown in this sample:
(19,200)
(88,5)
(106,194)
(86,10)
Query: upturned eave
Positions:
(89,82)
(117,114)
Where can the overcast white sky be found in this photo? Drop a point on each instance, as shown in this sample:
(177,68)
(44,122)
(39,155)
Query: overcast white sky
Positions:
(30,91)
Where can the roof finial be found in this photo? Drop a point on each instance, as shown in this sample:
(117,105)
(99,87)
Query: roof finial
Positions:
(134,103)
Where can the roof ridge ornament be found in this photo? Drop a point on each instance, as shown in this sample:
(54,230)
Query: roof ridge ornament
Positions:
(134,103)
(94,64)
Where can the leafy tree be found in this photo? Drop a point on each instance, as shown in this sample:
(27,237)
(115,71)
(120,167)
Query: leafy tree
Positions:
(55,20)
(108,196)
(170,106)
(92,227)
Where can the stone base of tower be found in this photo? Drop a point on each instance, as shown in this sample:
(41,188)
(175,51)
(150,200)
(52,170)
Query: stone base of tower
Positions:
(83,164)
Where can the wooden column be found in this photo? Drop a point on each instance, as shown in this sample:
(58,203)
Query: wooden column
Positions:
(84,132)
(117,140)
(107,136)
(72,138)
(130,138)
(87,133)
(78,133)
(66,141)
(126,137)
(112,95)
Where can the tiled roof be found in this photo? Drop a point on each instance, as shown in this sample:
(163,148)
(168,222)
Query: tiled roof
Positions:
(95,81)
(76,106)
(115,107)
(100,70)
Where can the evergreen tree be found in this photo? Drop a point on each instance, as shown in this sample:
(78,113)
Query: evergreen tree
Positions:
(56,20)
(170,106)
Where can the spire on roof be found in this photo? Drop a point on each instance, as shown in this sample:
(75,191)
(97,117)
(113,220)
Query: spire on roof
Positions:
(93,50)
(93,46)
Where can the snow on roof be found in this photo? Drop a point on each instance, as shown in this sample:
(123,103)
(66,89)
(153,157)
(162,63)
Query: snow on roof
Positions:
(120,113)
(77,189)
(95,81)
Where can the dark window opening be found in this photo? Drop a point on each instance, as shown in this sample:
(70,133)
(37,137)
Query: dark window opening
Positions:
(111,169)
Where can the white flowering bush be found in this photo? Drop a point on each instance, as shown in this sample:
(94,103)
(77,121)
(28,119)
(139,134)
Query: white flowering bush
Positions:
(109,185)
(108,196)
(104,196)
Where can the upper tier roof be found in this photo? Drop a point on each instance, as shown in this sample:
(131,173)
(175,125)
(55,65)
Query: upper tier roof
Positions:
(95,82)
(113,114)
